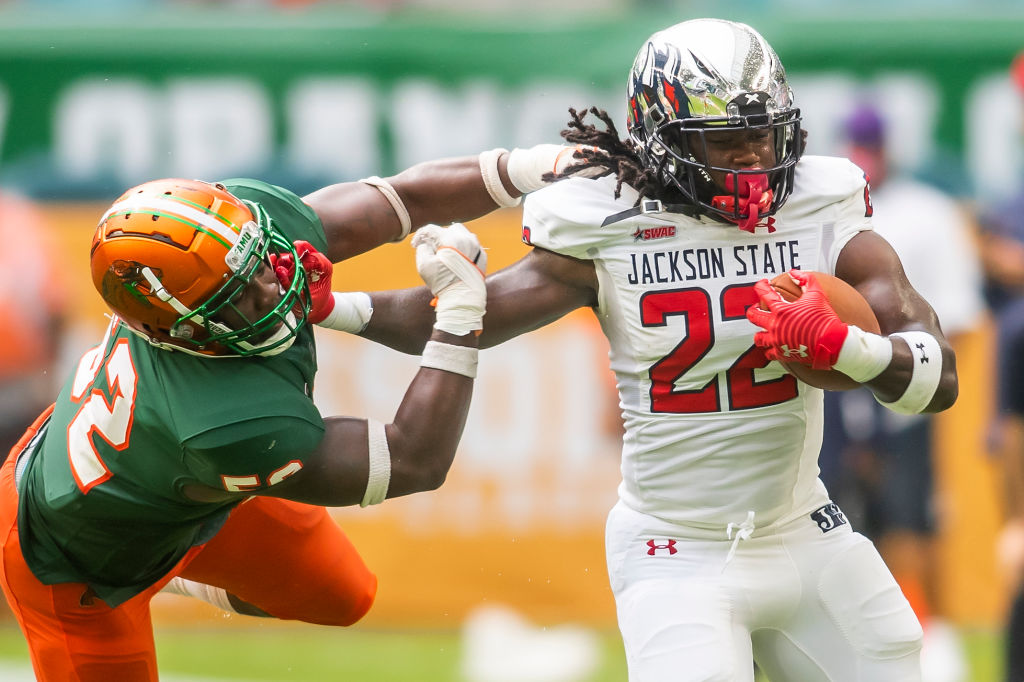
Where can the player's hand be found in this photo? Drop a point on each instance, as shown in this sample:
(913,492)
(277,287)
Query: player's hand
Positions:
(319,271)
(452,263)
(806,330)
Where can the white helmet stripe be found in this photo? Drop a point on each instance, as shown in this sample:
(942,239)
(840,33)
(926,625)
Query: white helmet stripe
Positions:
(161,292)
(176,208)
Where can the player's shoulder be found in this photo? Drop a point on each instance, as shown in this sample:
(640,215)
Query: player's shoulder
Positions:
(821,181)
(287,210)
(569,216)
(255,190)
(833,192)
(582,201)
(206,393)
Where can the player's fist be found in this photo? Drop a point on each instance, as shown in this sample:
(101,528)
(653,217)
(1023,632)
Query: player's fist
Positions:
(319,271)
(452,263)
(806,330)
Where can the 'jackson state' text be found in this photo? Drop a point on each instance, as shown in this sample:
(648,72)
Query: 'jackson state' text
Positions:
(750,260)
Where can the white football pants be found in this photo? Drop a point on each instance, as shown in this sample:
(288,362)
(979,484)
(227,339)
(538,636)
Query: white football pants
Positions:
(808,605)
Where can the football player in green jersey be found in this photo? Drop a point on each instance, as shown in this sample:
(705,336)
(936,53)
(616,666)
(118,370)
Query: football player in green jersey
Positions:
(186,445)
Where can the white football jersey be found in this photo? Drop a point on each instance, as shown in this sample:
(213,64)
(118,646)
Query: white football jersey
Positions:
(712,429)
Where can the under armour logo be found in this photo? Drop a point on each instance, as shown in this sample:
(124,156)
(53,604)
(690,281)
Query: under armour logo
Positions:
(920,347)
(794,352)
(653,546)
(753,97)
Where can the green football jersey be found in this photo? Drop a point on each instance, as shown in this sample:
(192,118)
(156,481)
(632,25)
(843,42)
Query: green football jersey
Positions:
(101,498)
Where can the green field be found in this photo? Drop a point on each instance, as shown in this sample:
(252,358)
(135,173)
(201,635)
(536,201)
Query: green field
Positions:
(316,654)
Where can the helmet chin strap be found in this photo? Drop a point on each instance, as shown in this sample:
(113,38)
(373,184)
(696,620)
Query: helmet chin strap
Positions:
(755,197)
(283,332)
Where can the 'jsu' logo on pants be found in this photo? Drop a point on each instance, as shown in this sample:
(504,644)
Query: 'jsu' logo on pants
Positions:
(828,517)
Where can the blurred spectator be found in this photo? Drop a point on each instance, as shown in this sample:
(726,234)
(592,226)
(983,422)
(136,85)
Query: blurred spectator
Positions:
(31,316)
(1002,248)
(877,463)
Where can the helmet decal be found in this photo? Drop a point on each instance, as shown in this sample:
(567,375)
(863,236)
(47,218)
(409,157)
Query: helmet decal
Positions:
(124,278)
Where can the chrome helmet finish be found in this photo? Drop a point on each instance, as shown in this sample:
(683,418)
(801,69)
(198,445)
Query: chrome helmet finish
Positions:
(710,74)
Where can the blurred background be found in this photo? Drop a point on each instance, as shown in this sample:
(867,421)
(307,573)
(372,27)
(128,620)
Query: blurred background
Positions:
(499,576)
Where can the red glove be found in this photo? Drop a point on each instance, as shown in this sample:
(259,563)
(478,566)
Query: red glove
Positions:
(319,270)
(806,330)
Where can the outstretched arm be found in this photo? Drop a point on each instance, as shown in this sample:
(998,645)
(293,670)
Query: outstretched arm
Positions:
(358,216)
(538,289)
(361,461)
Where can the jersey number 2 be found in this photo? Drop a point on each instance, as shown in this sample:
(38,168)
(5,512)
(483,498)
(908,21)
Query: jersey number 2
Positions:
(744,391)
(111,420)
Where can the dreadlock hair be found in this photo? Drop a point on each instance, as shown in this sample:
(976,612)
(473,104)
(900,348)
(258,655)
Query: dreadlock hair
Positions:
(603,150)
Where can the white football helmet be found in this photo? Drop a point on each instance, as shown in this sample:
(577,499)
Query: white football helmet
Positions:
(711,74)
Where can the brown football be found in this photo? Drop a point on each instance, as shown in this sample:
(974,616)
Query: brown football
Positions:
(851,308)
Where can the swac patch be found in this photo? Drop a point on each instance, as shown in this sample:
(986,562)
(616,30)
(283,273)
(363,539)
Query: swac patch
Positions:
(828,517)
(661,232)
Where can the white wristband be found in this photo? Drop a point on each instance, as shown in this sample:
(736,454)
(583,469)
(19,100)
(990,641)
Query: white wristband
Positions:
(492,180)
(396,203)
(450,358)
(927,372)
(453,314)
(380,464)
(864,355)
(351,313)
(527,167)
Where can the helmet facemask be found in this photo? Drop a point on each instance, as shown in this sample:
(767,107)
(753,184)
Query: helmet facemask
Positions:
(275,330)
(746,196)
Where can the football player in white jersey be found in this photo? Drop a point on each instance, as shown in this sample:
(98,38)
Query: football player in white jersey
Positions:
(724,546)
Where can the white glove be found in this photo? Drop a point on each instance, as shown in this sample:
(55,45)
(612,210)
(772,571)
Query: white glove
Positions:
(452,263)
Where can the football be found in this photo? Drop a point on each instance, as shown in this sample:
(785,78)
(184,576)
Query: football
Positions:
(851,308)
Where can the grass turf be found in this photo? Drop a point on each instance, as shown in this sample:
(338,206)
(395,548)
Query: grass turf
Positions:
(312,654)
